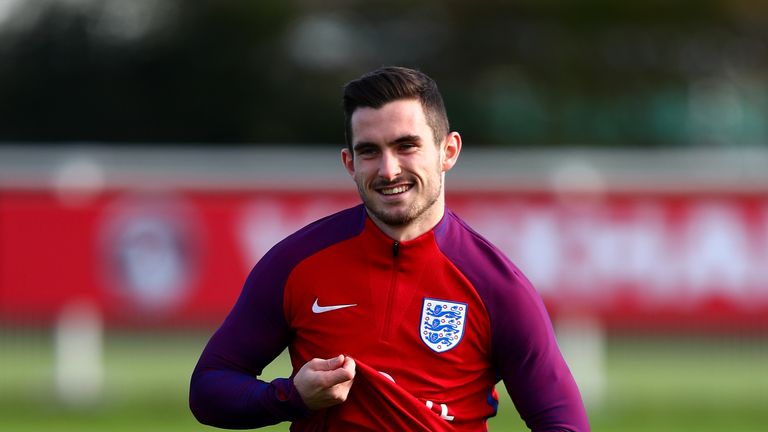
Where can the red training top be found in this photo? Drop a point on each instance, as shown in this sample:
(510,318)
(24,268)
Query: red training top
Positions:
(433,324)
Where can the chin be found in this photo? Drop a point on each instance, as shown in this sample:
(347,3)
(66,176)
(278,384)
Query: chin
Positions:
(398,218)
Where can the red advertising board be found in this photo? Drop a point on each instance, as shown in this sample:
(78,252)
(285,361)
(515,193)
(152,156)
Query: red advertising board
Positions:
(665,259)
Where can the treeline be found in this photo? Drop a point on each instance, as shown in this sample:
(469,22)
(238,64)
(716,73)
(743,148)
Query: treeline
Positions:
(528,73)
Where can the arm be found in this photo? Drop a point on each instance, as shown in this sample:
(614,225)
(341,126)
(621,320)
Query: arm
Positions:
(530,363)
(224,390)
(524,350)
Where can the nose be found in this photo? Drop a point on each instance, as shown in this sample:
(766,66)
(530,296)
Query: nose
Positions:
(389,166)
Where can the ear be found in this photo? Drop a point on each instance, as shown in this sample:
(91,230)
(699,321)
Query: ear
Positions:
(450,151)
(348,160)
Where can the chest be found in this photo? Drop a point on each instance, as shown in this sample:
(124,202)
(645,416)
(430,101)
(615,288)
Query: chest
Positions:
(389,310)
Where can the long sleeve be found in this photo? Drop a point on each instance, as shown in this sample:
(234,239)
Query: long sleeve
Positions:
(523,346)
(224,389)
(531,365)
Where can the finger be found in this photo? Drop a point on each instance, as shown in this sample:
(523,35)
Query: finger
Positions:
(350,365)
(326,364)
(338,376)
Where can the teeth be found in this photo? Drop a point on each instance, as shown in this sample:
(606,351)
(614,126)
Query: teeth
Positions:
(395,190)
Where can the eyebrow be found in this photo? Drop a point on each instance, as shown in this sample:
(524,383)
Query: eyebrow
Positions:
(407,138)
(399,140)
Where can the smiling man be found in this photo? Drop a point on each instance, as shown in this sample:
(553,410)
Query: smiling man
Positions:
(399,166)
(397,316)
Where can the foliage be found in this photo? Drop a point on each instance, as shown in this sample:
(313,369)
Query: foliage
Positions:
(513,73)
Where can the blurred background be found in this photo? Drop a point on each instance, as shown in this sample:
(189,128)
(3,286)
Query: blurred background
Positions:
(152,151)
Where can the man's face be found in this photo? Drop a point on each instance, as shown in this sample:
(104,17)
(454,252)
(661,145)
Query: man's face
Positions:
(396,164)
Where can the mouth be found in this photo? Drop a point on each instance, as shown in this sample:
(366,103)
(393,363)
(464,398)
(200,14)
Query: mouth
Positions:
(394,190)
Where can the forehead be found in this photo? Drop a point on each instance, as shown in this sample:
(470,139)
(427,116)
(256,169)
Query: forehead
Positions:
(391,121)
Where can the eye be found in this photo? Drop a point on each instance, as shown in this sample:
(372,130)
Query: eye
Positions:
(367,151)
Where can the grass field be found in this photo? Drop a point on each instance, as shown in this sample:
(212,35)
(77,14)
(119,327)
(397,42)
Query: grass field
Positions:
(653,384)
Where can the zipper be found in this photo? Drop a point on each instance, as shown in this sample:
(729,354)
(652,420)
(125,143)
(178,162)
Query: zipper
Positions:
(391,292)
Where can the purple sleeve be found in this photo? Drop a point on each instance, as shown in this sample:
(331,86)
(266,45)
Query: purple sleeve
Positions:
(224,390)
(524,349)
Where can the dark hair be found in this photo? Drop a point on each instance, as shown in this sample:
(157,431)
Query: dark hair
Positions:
(391,83)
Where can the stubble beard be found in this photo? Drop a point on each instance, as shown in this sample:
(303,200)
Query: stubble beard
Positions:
(400,218)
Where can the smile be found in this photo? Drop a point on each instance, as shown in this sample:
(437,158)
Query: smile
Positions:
(395,190)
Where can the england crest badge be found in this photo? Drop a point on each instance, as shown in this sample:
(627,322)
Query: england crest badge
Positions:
(442,323)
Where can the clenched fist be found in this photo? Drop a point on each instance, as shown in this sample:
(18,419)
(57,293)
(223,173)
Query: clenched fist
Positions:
(325,382)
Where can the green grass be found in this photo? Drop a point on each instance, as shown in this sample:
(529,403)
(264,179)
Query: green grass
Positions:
(670,384)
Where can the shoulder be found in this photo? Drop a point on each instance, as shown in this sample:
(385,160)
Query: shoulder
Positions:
(499,283)
(266,281)
(480,261)
(275,266)
(319,235)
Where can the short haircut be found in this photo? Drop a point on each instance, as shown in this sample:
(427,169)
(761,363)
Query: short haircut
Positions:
(391,83)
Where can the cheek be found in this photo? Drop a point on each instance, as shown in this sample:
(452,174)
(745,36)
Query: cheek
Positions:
(361,176)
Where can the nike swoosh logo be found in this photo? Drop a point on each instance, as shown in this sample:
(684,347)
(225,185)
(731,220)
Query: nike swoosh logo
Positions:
(316,308)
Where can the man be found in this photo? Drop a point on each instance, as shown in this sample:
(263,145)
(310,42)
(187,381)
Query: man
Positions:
(397,315)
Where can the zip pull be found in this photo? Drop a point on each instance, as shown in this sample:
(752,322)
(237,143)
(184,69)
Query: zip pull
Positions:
(395,248)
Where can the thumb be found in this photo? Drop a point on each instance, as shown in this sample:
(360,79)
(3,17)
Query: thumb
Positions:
(349,365)
(329,364)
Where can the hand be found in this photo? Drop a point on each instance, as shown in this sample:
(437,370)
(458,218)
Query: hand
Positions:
(324,383)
